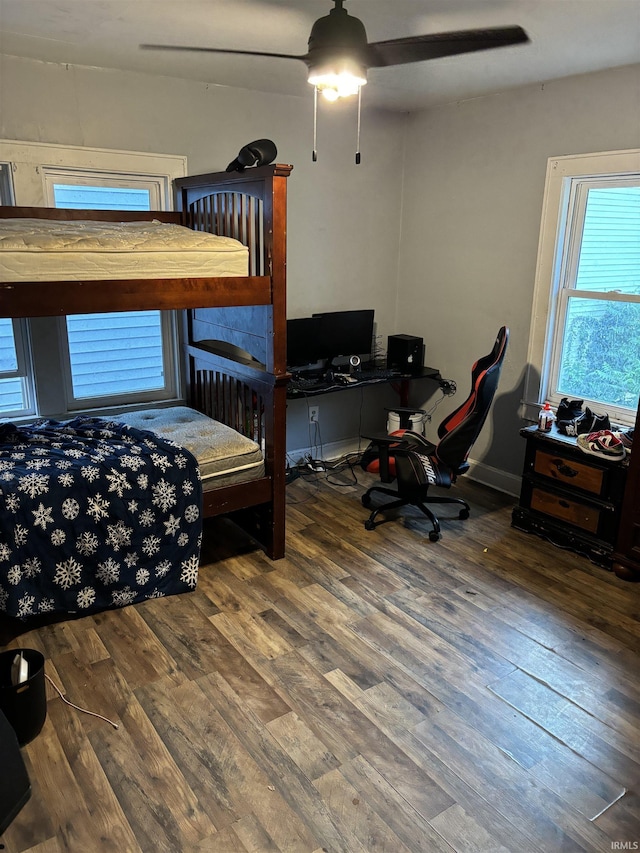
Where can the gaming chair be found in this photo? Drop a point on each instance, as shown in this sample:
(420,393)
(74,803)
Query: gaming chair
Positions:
(417,463)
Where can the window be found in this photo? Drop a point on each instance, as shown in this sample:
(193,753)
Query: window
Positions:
(585,340)
(16,390)
(143,362)
(6,184)
(55,366)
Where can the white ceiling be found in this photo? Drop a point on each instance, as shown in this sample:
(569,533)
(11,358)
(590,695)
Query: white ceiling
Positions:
(567,37)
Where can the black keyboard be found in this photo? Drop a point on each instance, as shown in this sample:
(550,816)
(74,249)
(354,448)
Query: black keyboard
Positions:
(315,384)
(306,383)
(364,375)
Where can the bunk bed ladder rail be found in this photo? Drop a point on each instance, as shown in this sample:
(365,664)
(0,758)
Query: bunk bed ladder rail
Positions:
(231,401)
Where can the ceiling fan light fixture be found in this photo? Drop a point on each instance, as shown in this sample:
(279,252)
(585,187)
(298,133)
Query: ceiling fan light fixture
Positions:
(339,79)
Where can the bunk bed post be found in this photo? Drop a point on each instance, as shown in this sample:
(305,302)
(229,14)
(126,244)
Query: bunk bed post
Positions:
(276,214)
(277,217)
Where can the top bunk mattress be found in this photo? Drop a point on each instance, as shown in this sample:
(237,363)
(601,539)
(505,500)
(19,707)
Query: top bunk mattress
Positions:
(60,250)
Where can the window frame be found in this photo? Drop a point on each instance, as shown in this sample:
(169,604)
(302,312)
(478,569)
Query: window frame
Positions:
(156,185)
(568,179)
(28,159)
(23,360)
(7,195)
(24,370)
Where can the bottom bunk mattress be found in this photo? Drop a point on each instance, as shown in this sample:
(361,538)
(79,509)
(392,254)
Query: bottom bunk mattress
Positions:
(95,514)
(225,456)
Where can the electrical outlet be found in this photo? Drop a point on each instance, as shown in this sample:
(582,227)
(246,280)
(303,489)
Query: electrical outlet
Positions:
(314,414)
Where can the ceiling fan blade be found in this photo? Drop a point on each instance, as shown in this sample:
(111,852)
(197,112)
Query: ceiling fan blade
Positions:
(303,58)
(419,48)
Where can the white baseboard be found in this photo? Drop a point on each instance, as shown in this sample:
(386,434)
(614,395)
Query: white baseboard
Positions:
(502,481)
(330,452)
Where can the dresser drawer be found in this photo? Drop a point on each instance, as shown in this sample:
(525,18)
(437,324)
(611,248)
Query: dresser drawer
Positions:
(569,509)
(571,472)
(566,509)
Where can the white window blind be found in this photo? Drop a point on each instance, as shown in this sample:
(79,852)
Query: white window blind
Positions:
(115,354)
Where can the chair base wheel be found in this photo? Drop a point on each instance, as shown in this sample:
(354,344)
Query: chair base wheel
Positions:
(464,513)
(366,500)
(369,525)
(434,535)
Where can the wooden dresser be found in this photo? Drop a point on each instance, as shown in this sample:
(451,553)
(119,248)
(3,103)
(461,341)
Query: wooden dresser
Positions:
(571,497)
(626,556)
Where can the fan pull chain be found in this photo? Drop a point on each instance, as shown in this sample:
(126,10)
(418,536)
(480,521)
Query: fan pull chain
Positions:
(358,131)
(314,156)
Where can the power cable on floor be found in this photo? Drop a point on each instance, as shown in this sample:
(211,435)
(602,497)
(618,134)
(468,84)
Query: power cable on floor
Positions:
(77,707)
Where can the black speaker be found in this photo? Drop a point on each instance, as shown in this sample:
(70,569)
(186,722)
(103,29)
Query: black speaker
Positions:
(15,787)
(404,353)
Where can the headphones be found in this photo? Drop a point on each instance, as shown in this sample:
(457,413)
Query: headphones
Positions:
(258,153)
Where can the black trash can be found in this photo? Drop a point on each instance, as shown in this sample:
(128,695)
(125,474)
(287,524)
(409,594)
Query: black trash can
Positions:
(24,705)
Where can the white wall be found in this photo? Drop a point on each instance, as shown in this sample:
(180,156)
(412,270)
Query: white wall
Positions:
(343,225)
(473,188)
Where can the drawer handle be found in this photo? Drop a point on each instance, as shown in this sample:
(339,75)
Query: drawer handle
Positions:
(564,504)
(564,469)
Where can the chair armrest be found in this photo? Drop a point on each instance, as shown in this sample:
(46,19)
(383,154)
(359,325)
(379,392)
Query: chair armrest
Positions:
(383,439)
(384,442)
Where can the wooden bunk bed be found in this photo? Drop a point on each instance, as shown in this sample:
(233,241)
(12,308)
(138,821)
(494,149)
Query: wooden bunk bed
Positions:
(234,328)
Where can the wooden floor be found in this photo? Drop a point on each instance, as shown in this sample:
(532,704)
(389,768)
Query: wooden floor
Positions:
(373,691)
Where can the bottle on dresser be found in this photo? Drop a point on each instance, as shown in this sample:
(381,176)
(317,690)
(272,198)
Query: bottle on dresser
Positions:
(546,418)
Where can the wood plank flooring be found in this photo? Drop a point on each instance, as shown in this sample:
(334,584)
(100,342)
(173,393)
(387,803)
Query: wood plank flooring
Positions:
(373,691)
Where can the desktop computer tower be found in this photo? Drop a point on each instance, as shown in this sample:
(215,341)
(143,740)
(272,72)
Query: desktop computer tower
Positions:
(404,353)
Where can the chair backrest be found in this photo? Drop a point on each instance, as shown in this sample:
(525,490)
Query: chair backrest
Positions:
(459,430)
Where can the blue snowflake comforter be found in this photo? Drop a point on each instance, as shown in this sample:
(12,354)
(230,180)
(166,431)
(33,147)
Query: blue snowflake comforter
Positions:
(95,514)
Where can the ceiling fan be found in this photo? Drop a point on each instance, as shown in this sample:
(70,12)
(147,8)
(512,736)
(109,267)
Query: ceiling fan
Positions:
(339,54)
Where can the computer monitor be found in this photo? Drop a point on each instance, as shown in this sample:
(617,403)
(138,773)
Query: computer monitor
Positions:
(346,333)
(303,342)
